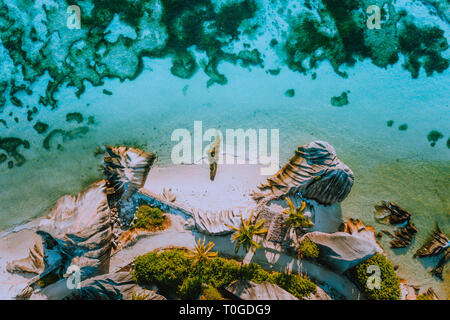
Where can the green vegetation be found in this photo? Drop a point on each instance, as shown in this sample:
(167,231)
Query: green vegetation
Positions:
(148,218)
(296,219)
(211,293)
(190,288)
(390,123)
(308,249)
(172,272)
(202,252)
(403,127)
(390,284)
(246,232)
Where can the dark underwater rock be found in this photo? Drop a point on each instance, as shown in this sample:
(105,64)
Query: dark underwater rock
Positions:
(340,101)
(250,58)
(10,145)
(436,244)
(64,136)
(289,93)
(40,127)
(249,290)
(274,72)
(74,116)
(433,136)
(392,212)
(184,65)
(403,236)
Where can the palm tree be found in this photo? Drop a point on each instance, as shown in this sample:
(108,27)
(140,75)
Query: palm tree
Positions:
(297,219)
(244,235)
(202,252)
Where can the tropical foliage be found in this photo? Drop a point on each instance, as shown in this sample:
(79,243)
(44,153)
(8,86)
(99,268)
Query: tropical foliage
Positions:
(172,272)
(244,235)
(202,252)
(297,219)
(308,249)
(148,218)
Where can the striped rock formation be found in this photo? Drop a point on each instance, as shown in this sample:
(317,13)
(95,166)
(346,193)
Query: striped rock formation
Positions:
(214,223)
(77,232)
(315,172)
(80,227)
(34,263)
(436,244)
(274,222)
(249,290)
(125,169)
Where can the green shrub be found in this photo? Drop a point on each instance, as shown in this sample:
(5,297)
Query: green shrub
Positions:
(148,218)
(390,284)
(191,288)
(254,272)
(211,293)
(166,269)
(220,272)
(296,285)
(308,249)
(173,272)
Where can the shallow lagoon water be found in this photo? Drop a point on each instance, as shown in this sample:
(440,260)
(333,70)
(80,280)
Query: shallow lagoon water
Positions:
(388,163)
